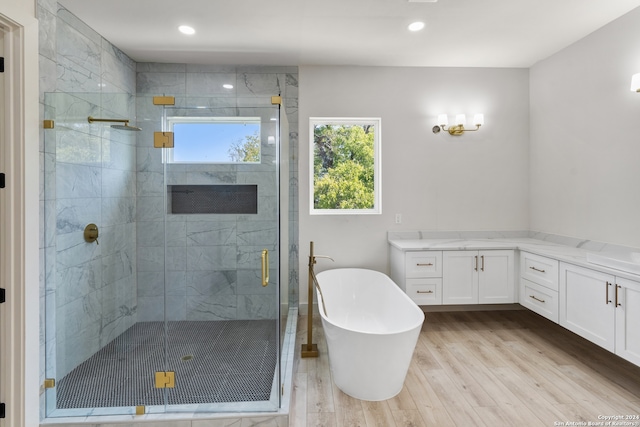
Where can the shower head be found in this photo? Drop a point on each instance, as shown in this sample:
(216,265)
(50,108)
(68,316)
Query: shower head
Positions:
(124,126)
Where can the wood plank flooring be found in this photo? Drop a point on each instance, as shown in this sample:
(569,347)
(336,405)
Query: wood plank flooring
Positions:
(482,368)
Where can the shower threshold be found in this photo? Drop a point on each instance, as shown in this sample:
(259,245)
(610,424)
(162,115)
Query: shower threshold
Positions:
(214,362)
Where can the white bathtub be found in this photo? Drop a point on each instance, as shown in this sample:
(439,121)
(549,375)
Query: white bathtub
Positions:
(371,327)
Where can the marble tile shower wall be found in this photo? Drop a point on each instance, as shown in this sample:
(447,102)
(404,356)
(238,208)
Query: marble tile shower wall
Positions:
(213,269)
(87,291)
(90,173)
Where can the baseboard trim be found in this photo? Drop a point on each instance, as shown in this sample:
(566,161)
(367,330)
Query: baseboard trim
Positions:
(474,307)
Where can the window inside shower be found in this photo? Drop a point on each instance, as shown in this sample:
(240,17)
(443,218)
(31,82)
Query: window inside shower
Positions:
(215,139)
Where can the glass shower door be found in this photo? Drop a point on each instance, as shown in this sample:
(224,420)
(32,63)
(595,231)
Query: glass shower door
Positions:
(221,188)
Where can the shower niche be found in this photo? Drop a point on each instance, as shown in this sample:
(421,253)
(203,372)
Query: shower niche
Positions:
(213,199)
(169,311)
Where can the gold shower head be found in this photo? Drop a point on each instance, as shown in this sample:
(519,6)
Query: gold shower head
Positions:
(124,126)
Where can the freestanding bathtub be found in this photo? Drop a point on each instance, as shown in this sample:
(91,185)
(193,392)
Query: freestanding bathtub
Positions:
(371,327)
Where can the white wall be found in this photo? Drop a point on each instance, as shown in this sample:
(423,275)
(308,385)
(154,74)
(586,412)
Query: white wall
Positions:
(585,137)
(478,181)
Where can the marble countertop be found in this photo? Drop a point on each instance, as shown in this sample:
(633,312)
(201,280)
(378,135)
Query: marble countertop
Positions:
(564,253)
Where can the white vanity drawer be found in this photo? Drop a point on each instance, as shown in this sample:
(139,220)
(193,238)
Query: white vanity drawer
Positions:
(539,269)
(540,299)
(423,264)
(425,291)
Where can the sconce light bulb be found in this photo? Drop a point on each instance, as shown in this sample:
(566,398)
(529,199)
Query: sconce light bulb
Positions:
(443,120)
(478,119)
(460,119)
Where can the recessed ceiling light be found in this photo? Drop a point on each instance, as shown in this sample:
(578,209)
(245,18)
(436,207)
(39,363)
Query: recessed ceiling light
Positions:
(416,26)
(185,29)
(227,86)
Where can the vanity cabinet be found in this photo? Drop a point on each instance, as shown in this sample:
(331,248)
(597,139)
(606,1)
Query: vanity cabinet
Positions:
(602,308)
(478,277)
(455,277)
(539,284)
(594,303)
(419,275)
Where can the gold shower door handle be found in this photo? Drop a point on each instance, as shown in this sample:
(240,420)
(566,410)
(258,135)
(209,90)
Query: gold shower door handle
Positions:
(265,267)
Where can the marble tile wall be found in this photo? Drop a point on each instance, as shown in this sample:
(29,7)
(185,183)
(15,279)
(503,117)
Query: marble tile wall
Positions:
(87,290)
(94,183)
(212,260)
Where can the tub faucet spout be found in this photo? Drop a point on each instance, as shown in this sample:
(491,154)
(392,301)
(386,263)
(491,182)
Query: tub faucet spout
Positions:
(313,258)
(309,349)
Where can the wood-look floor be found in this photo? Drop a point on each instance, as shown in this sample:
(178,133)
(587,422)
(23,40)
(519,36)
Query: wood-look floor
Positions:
(499,368)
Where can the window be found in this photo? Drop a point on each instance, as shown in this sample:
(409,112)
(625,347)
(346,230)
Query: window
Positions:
(345,166)
(214,139)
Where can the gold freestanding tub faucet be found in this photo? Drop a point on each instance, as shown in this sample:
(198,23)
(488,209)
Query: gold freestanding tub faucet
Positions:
(309,349)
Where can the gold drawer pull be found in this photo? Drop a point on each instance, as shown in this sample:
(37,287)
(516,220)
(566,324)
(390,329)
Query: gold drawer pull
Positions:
(428,264)
(541,271)
(424,292)
(537,299)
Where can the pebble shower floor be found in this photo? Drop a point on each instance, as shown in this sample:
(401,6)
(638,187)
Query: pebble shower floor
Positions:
(214,361)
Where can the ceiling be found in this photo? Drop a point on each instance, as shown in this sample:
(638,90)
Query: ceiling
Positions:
(460,33)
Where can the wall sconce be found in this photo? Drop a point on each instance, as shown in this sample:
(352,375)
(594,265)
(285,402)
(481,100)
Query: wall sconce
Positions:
(458,128)
(635,83)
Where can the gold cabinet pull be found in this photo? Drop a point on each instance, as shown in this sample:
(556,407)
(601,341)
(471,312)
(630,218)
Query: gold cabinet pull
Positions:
(482,268)
(617,302)
(537,299)
(536,269)
(476,268)
(607,293)
(265,267)
(428,264)
(424,292)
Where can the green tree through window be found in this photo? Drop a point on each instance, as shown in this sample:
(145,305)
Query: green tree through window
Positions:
(344,165)
(246,150)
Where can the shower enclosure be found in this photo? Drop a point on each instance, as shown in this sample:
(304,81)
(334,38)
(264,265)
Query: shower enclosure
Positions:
(162,252)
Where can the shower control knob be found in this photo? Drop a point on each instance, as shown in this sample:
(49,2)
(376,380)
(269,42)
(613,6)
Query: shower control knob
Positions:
(91,233)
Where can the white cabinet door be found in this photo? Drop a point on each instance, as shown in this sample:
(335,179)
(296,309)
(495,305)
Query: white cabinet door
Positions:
(496,284)
(627,301)
(460,277)
(587,304)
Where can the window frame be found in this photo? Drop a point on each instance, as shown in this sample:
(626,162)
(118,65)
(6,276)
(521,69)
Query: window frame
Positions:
(377,163)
